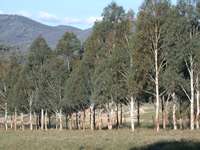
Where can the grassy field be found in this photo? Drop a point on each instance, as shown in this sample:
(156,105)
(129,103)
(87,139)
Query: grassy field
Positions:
(143,139)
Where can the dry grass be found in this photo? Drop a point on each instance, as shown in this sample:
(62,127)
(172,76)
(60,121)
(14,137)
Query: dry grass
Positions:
(99,140)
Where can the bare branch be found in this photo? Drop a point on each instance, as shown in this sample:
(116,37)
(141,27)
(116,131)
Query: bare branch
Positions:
(162,64)
(187,66)
(152,79)
(148,92)
(163,92)
(186,93)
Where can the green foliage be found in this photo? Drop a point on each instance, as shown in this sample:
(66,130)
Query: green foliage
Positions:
(115,63)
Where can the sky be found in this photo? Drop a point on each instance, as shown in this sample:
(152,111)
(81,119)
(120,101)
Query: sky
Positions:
(78,13)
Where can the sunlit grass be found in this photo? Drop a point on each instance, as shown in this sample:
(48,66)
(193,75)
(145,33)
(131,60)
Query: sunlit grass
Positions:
(91,140)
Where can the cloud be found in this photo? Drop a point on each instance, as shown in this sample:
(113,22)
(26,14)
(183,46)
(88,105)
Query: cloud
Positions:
(47,17)
(21,13)
(24,13)
(78,21)
(53,19)
(70,20)
(92,20)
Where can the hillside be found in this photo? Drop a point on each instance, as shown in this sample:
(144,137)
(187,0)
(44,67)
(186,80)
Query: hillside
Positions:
(21,31)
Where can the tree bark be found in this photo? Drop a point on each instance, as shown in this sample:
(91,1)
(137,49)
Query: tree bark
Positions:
(192,94)
(198,111)
(77,120)
(49,121)
(22,121)
(163,113)
(100,120)
(60,119)
(42,119)
(109,118)
(70,121)
(174,111)
(11,124)
(174,116)
(121,114)
(181,122)
(66,120)
(36,120)
(45,120)
(84,117)
(138,113)
(132,114)
(157,90)
(30,120)
(6,117)
(15,120)
(112,117)
(117,116)
(92,117)
(30,112)
(56,120)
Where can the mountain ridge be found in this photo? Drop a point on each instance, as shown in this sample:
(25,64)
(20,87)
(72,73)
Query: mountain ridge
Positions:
(20,31)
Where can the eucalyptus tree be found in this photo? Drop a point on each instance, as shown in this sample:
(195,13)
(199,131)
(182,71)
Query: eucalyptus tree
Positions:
(38,57)
(24,96)
(67,47)
(151,29)
(186,33)
(10,69)
(57,75)
(77,92)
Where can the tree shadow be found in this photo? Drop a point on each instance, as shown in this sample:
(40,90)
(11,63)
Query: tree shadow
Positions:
(170,145)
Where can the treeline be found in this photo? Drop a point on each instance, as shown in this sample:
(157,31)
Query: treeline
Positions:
(128,60)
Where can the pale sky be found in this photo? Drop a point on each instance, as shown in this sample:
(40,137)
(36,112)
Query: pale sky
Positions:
(78,13)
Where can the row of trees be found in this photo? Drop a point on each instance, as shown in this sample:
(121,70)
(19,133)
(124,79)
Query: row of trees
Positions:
(126,61)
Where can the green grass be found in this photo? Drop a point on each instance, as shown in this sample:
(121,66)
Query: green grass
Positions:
(143,139)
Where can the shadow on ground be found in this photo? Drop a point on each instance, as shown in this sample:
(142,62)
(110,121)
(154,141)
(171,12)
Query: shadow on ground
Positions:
(173,145)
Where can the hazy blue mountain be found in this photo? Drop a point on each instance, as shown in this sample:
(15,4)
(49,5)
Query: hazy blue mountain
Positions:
(20,31)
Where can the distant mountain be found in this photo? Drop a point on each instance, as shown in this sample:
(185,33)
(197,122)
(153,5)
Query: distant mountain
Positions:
(20,31)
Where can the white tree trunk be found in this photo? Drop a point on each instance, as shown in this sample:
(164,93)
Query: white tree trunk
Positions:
(174,111)
(78,120)
(45,120)
(132,114)
(35,118)
(30,113)
(56,120)
(192,94)
(60,119)
(22,121)
(92,118)
(15,120)
(198,111)
(70,122)
(174,116)
(6,117)
(30,120)
(111,117)
(42,119)
(100,119)
(157,91)
(84,117)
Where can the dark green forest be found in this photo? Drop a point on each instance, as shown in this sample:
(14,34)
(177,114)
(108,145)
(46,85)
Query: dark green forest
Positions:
(129,60)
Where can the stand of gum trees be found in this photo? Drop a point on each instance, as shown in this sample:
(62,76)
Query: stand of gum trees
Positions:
(128,60)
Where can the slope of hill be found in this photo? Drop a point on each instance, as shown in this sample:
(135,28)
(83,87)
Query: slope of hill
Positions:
(21,31)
